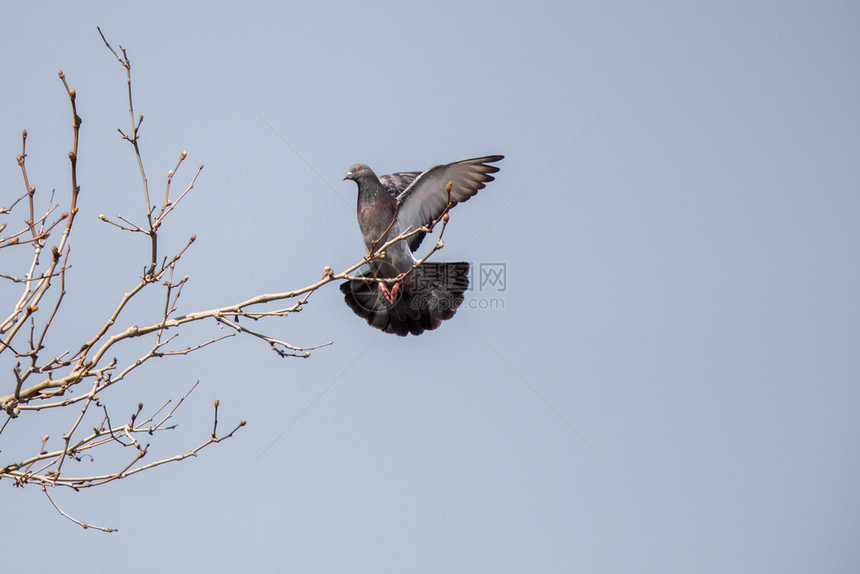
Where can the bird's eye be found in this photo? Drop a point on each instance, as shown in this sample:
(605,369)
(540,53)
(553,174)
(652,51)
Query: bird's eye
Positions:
(358,168)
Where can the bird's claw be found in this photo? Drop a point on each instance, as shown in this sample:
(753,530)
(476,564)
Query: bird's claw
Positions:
(389,294)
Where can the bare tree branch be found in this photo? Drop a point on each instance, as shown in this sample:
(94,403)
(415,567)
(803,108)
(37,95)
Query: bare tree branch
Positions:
(77,376)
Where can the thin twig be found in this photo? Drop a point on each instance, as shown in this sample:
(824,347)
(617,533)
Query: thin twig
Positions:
(72,518)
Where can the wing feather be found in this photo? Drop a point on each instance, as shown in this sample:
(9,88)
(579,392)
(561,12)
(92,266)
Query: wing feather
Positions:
(425,197)
(396,183)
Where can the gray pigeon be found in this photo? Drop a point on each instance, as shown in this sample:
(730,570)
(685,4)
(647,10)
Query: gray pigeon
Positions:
(390,205)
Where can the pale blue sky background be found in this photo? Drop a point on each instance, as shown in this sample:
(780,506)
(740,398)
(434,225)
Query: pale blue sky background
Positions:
(678,215)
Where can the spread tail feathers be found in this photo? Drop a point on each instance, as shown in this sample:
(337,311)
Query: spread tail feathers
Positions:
(427,296)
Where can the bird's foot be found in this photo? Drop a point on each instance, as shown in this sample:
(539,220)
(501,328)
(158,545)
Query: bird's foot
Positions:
(389,294)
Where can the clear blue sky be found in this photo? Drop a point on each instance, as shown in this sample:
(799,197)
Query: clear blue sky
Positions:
(672,382)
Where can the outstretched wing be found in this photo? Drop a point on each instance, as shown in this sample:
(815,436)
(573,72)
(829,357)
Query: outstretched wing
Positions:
(426,197)
(396,183)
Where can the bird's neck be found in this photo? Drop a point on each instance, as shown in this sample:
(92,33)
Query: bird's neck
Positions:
(371,190)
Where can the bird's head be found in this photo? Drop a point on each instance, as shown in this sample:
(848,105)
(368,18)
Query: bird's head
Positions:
(359,172)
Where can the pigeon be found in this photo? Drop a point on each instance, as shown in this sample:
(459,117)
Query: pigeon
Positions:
(405,202)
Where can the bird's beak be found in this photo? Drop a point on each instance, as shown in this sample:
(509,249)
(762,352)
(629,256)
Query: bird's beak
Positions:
(348,175)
